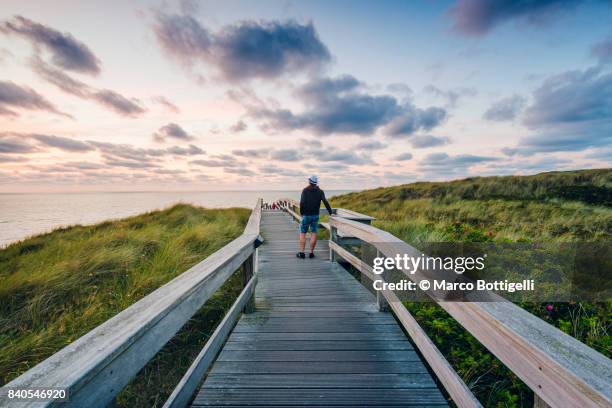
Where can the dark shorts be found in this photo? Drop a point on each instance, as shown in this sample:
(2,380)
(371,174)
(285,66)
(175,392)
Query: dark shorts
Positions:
(309,221)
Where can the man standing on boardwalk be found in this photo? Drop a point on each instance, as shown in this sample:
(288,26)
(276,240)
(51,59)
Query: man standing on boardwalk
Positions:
(310,203)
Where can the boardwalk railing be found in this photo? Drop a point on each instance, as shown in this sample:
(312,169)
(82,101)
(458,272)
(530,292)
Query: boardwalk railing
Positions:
(559,369)
(97,366)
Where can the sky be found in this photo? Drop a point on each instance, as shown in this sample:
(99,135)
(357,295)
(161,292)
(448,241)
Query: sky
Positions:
(245,95)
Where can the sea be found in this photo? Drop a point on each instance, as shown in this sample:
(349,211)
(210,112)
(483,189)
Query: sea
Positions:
(25,215)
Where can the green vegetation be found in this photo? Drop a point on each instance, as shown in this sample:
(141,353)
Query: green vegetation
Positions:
(58,286)
(550,207)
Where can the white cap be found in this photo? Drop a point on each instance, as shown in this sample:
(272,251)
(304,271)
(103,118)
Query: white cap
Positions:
(313,179)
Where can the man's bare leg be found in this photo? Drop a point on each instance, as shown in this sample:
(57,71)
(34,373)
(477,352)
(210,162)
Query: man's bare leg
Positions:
(302,242)
(313,241)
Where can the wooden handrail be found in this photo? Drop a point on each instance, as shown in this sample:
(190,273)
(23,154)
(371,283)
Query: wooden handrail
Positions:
(97,366)
(185,389)
(456,388)
(560,370)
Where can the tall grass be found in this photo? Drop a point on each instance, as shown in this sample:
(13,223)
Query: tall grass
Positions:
(549,207)
(58,286)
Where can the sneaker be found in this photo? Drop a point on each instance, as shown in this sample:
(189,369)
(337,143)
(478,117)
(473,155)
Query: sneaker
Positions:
(300,255)
(311,255)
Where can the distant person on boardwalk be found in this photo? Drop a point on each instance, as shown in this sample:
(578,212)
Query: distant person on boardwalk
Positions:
(310,202)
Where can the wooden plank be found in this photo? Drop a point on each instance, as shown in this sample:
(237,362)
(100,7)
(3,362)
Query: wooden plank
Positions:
(182,393)
(310,367)
(272,318)
(318,355)
(305,326)
(338,406)
(318,345)
(369,381)
(311,336)
(318,396)
(319,314)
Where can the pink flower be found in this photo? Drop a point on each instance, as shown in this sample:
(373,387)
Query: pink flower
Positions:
(549,308)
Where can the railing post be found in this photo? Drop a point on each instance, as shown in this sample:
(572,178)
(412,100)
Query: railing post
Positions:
(247,275)
(539,402)
(382,303)
(333,236)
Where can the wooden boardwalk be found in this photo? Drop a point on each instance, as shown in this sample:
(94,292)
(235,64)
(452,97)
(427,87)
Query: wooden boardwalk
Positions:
(315,339)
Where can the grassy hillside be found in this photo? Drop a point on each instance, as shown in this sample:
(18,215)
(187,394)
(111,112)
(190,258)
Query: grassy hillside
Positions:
(58,286)
(511,208)
(548,207)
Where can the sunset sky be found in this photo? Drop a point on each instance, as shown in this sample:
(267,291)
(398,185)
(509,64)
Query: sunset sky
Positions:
(246,95)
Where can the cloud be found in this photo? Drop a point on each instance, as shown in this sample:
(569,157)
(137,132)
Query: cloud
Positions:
(117,155)
(570,112)
(124,155)
(141,163)
(240,171)
(403,91)
(403,157)
(444,164)
(506,109)
(85,165)
(169,171)
(425,141)
(310,142)
(413,119)
(66,51)
(601,154)
(14,143)
(287,155)
(252,153)
(182,37)
(452,96)
(371,145)
(171,131)
(63,143)
(478,17)
(574,96)
(118,103)
(238,127)
(338,106)
(278,171)
(526,166)
(112,100)
(244,50)
(191,150)
(214,163)
(401,178)
(338,155)
(162,100)
(329,167)
(7,158)
(17,96)
(603,51)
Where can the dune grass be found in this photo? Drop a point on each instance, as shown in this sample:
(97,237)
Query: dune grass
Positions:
(58,286)
(550,207)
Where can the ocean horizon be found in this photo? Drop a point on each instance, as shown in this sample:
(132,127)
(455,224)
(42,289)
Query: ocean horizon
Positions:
(23,215)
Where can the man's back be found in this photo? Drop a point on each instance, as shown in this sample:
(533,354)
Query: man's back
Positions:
(310,201)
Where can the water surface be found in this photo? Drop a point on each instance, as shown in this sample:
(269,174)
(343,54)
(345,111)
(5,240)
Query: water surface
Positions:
(24,215)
